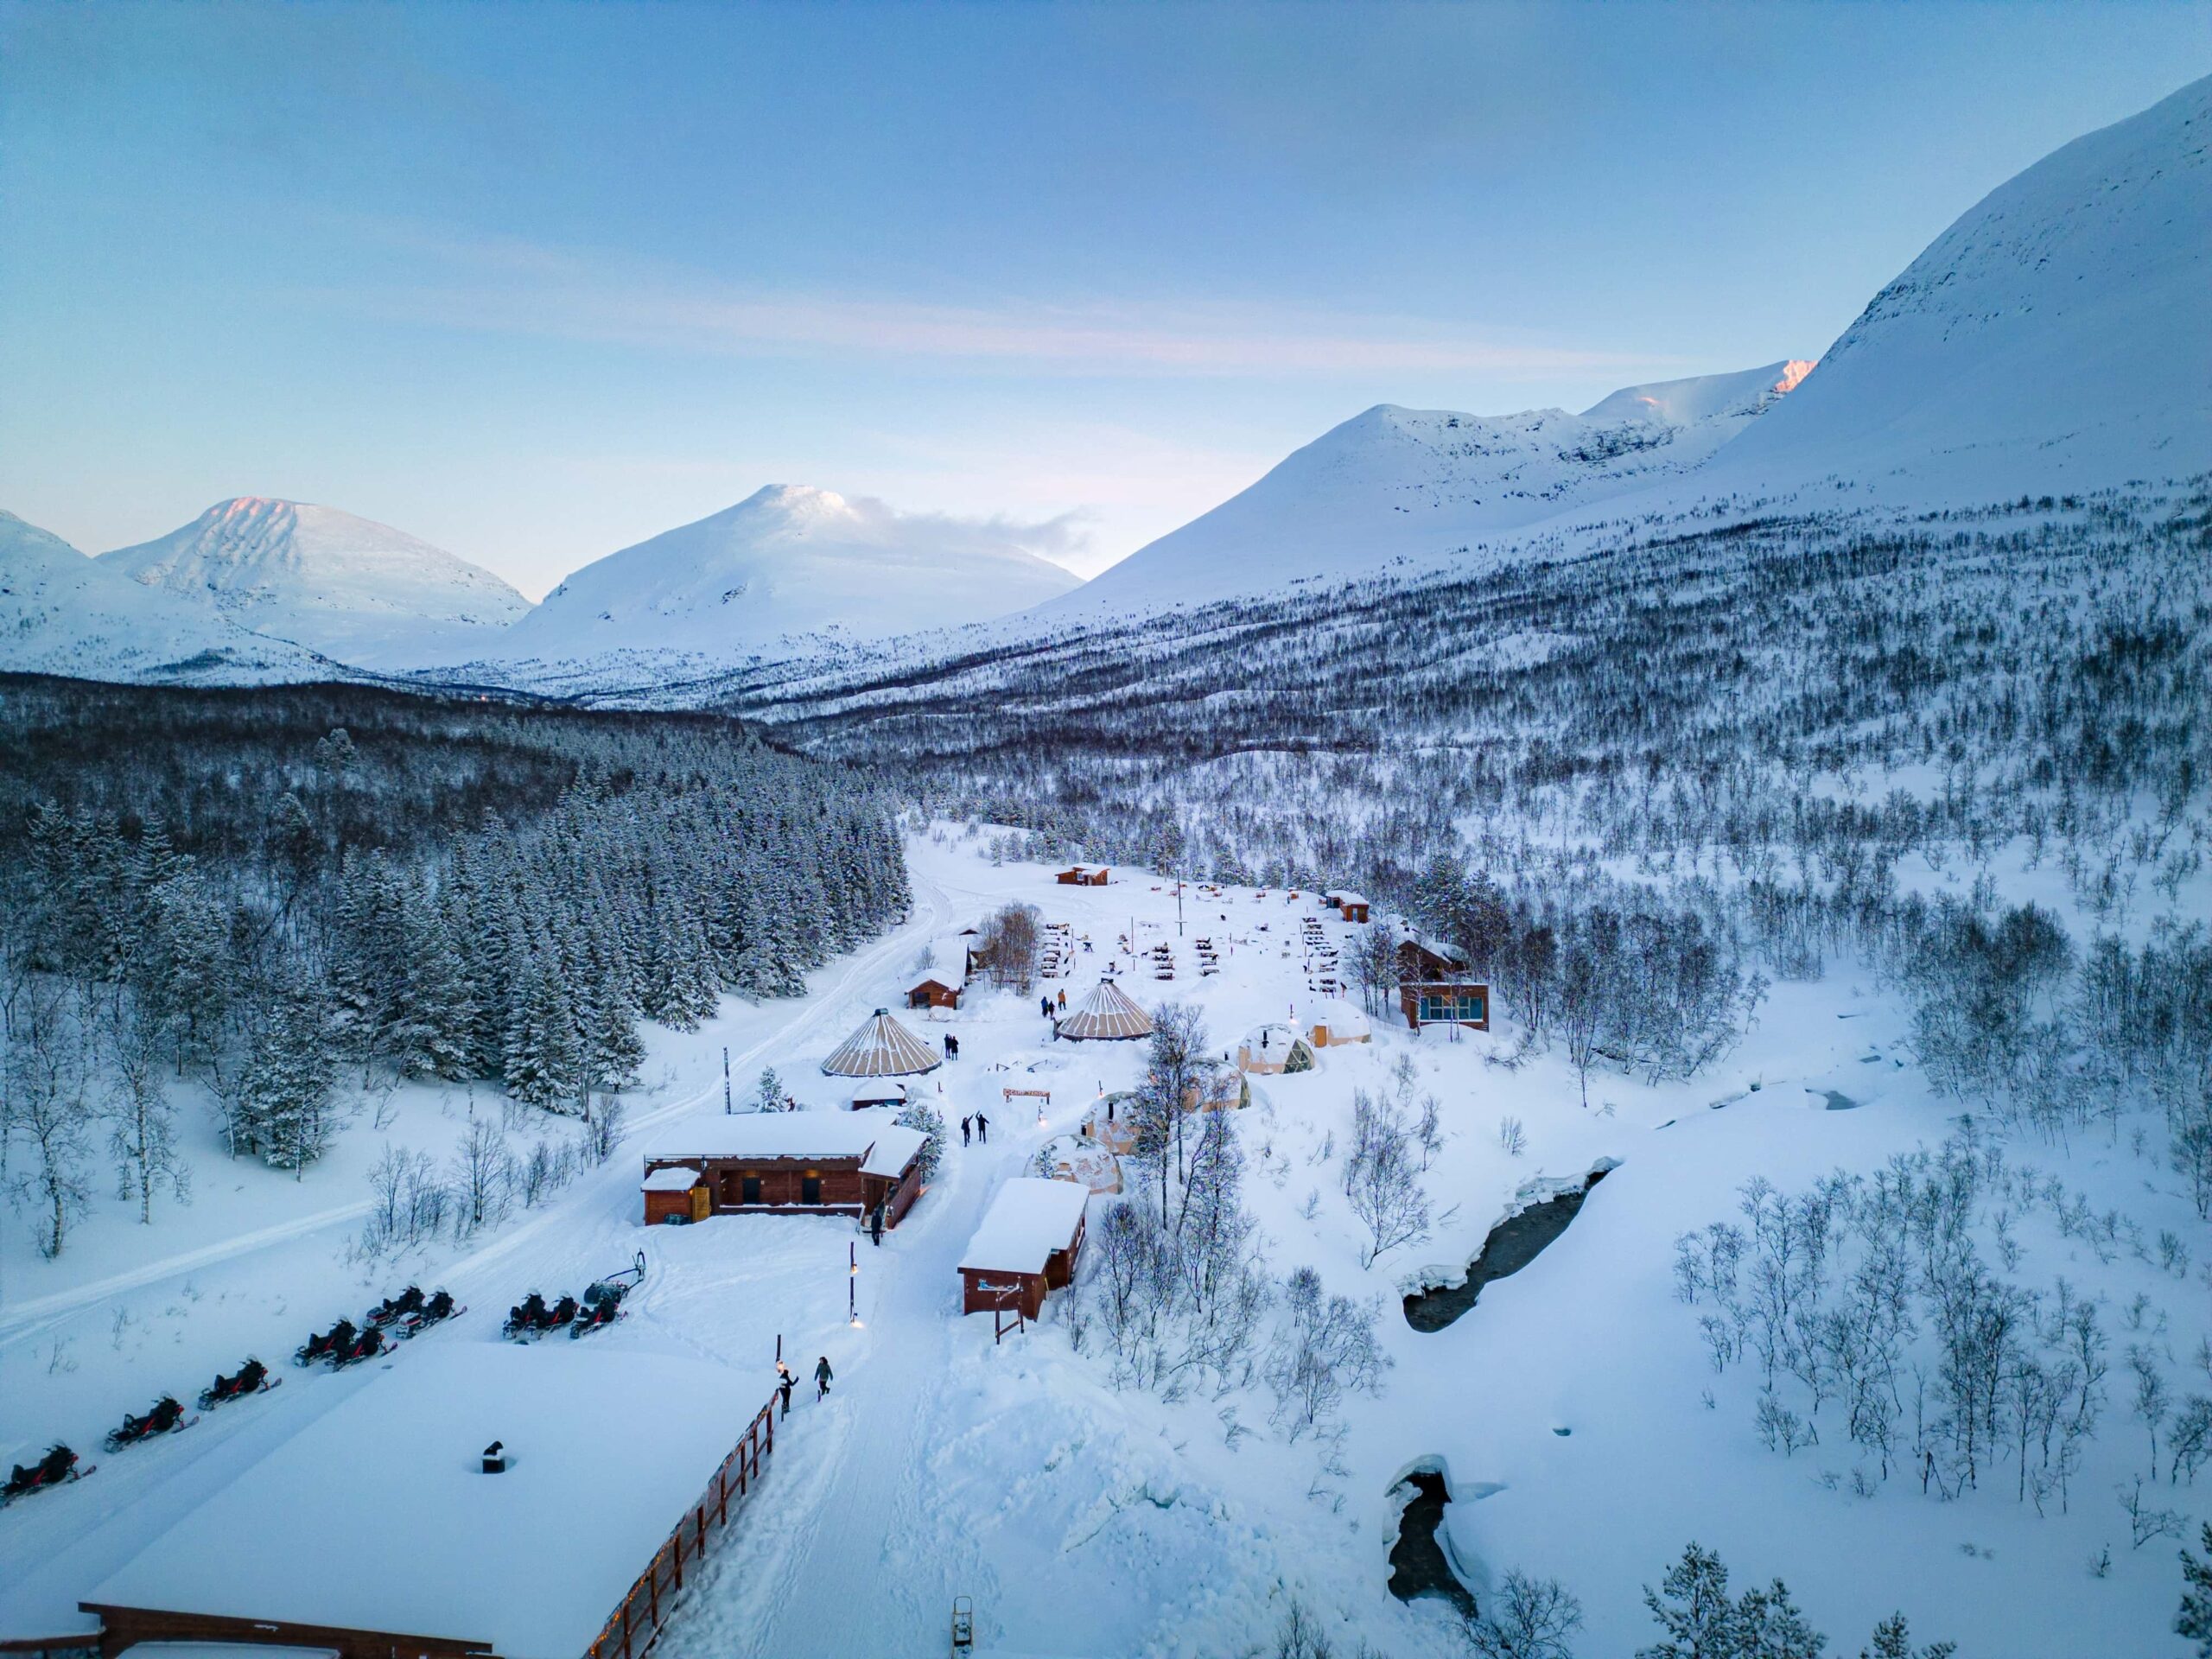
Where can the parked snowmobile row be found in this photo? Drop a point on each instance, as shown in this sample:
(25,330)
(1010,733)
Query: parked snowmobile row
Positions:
(167,1416)
(407,1314)
(602,1306)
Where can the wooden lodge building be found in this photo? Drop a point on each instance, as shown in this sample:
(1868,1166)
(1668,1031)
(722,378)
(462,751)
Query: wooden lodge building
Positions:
(1026,1248)
(786,1163)
(399,1543)
(1082,876)
(1434,989)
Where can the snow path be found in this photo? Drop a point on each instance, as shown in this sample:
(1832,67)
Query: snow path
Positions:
(27,1319)
(848,1578)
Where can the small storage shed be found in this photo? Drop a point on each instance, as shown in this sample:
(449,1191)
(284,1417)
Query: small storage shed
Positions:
(1334,1022)
(1444,1003)
(882,1048)
(1352,906)
(1082,876)
(1106,1015)
(944,976)
(677,1192)
(1273,1048)
(792,1163)
(1027,1246)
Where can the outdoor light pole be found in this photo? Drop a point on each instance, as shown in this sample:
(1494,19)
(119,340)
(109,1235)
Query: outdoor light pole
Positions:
(852,1285)
(727,1108)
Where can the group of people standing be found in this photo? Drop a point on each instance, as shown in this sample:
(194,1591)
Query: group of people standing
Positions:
(981,1127)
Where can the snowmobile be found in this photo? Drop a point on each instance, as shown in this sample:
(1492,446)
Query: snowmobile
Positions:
(253,1378)
(564,1313)
(526,1316)
(58,1465)
(603,1296)
(393,1308)
(366,1345)
(167,1414)
(331,1343)
(439,1306)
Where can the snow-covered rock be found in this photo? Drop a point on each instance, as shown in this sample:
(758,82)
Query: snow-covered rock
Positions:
(787,563)
(62,613)
(346,586)
(2056,338)
(1414,483)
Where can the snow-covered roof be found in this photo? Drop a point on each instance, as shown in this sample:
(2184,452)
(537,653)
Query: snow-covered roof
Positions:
(676,1179)
(882,1048)
(1106,1014)
(791,1135)
(382,1496)
(1274,1035)
(894,1148)
(1028,1220)
(1343,899)
(875,1094)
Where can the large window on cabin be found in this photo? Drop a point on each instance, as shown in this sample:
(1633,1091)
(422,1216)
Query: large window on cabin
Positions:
(1453,1003)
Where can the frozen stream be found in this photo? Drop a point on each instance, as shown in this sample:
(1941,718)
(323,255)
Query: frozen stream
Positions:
(1512,1245)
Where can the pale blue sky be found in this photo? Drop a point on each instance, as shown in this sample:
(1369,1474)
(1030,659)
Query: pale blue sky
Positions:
(537,281)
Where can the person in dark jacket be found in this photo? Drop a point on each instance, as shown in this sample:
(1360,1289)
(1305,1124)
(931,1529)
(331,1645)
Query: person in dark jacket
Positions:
(967,1130)
(875,1227)
(784,1381)
(822,1378)
(1044,1007)
(982,1129)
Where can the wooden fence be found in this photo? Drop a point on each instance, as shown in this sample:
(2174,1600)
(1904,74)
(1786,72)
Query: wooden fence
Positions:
(630,1634)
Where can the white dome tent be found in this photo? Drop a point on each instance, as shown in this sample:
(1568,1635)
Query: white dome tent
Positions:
(1275,1048)
(882,1048)
(1106,1015)
(1333,1020)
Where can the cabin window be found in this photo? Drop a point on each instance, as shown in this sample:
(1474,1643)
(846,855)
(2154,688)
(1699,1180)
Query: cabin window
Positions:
(810,1188)
(1453,1004)
(750,1189)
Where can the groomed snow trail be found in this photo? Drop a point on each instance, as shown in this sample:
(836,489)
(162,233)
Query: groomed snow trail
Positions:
(842,1575)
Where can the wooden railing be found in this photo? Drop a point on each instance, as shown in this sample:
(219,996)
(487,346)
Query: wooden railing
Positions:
(630,1634)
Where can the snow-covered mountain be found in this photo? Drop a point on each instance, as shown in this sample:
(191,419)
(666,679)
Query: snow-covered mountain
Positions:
(62,613)
(788,563)
(1409,483)
(349,588)
(2058,337)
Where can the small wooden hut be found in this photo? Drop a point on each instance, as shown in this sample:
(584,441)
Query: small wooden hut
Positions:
(1082,876)
(1027,1246)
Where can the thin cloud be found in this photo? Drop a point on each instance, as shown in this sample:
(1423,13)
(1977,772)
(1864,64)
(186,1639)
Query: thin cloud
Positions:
(506,286)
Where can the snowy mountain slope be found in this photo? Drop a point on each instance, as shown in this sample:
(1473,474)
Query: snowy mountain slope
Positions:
(348,587)
(1403,483)
(62,613)
(2057,336)
(788,563)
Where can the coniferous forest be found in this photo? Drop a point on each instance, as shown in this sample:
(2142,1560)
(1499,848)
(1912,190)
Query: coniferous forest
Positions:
(272,893)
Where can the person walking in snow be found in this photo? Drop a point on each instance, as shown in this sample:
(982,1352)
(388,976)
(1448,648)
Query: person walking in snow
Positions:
(967,1130)
(822,1378)
(784,1381)
(951,1047)
(1063,1002)
(983,1129)
(875,1227)
(1044,1007)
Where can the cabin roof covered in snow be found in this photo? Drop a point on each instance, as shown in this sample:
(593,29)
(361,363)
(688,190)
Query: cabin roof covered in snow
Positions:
(894,1148)
(1338,1015)
(869,1135)
(679,1180)
(384,1494)
(1029,1219)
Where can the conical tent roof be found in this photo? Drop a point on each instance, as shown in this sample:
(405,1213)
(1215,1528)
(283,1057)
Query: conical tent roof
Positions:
(881,1048)
(1107,1015)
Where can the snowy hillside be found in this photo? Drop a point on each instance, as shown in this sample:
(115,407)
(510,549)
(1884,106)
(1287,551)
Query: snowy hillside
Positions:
(62,613)
(2054,338)
(788,563)
(1407,484)
(346,586)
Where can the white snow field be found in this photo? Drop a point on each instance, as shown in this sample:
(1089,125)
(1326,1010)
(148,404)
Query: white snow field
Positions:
(62,613)
(1568,1409)
(346,586)
(788,567)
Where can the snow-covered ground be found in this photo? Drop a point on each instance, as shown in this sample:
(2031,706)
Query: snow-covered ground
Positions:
(1568,1409)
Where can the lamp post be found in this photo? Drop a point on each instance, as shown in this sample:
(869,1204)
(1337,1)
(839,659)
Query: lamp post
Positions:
(727,1108)
(852,1285)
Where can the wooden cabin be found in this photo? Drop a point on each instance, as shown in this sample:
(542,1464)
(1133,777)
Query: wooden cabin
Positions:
(787,1163)
(1082,876)
(1352,906)
(1444,1002)
(933,993)
(1420,961)
(1026,1248)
